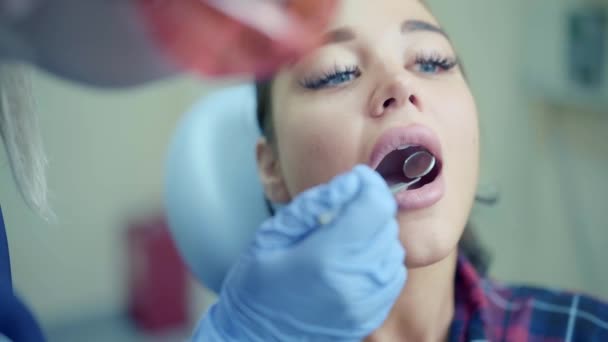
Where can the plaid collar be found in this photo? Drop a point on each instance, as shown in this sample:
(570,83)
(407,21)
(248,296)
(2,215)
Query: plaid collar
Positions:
(489,311)
(469,301)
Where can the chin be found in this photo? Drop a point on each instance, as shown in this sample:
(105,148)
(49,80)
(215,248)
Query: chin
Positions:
(428,240)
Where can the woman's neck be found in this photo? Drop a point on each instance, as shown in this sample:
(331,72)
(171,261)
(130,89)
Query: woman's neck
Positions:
(425,308)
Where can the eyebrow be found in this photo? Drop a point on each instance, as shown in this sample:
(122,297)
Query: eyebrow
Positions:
(410,26)
(344,34)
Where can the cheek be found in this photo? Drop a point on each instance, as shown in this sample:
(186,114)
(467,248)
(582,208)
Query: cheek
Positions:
(313,148)
(461,159)
(431,235)
(457,116)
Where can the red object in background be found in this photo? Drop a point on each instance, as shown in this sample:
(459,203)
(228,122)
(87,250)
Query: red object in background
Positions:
(206,36)
(158,280)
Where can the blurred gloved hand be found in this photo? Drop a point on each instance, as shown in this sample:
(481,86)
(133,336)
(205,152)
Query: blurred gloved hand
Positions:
(236,37)
(327,267)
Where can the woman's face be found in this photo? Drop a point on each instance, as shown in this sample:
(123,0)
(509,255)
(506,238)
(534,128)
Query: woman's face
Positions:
(387,78)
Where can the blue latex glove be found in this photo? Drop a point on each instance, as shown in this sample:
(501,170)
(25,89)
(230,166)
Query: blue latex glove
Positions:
(327,267)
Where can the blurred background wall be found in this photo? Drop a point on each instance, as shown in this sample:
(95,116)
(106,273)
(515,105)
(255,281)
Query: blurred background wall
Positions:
(544,142)
(106,151)
(547,155)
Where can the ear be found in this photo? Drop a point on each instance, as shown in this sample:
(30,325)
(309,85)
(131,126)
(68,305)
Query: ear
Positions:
(270,172)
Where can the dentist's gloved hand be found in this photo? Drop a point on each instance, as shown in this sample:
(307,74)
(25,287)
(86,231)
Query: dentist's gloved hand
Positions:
(327,267)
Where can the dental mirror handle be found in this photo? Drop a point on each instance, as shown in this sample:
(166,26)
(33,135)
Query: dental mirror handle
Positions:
(403,186)
(329,216)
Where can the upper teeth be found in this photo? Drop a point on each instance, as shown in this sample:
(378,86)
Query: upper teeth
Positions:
(403,147)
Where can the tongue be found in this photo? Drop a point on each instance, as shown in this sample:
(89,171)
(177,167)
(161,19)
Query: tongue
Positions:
(392,164)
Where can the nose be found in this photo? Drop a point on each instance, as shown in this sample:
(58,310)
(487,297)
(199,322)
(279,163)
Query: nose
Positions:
(394,93)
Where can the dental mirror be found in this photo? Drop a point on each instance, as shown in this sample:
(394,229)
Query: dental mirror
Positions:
(415,167)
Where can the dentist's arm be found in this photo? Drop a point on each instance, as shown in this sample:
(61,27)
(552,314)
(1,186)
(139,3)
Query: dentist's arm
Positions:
(327,267)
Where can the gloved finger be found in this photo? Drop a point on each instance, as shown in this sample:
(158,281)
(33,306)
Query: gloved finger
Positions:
(391,263)
(376,305)
(359,218)
(382,301)
(374,265)
(388,265)
(294,222)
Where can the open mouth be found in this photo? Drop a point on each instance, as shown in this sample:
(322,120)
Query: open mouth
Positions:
(391,167)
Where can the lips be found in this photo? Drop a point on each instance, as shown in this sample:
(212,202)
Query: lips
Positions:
(391,148)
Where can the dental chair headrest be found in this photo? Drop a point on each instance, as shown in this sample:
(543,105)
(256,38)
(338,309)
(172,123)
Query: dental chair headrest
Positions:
(214,200)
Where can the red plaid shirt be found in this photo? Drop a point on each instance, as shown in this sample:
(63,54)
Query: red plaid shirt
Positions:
(488,311)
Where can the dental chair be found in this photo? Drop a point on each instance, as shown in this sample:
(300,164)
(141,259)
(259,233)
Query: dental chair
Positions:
(214,201)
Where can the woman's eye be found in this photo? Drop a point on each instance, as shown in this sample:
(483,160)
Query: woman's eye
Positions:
(333,78)
(429,68)
(434,65)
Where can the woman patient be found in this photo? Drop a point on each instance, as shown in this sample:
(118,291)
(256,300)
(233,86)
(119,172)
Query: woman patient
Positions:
(388,77)
(388,83)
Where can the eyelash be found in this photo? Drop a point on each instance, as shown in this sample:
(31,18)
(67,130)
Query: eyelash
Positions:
(324,80)
(338,73)
(436,60)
